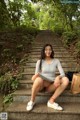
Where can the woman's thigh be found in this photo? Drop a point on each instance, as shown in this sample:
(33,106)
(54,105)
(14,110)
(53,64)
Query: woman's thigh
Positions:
(46,83)
(41,83)
(52,87)
(38,83)
(65,81)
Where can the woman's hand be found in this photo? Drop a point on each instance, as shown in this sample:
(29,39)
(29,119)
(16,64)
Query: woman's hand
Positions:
(57,81)
(35,76)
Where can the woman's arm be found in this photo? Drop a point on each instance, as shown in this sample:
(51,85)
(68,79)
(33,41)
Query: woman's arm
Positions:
(35,76)
(62,74)
(37,70)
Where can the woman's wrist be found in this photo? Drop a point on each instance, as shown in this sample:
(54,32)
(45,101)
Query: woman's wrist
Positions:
(60,77)
(35,76)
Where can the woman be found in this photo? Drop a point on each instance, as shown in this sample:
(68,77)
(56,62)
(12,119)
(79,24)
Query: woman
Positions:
(45,77)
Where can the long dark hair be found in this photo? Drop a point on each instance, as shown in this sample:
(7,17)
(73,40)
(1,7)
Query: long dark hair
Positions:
(43,56)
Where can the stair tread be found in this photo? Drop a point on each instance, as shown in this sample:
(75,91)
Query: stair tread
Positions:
(56,56)
(34,66)
(25,81)
(28,92)
(32,73)
(65,60)
(69,108)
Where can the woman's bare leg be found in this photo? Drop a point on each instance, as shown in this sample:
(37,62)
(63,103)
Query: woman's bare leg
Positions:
(53,86)
(60,89)
(37,86)
(58,86)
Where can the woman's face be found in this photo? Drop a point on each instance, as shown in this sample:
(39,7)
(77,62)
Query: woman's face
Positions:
(48,51)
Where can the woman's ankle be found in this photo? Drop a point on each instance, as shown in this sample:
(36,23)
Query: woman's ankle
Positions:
(51,100)
(32,100)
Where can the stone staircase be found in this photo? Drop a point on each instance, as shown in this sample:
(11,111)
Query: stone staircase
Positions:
(70,102)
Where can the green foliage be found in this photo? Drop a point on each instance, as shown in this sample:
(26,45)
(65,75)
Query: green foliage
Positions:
(14,43)
(6,53)
(42,15)
(14,83)
(58,30)
(8,83)
(27,30)
(4,17)
(69,37)
(8,99)
(15,13)
(20,48)
(78,48)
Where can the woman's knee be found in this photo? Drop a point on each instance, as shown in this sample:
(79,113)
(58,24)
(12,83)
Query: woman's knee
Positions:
(56,85)
(65,81)
(57,82)
(38,81)
(57,78)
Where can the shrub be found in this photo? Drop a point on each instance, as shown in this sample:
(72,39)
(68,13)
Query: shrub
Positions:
(58,30)
(20,48)
(28,29)
(69,37)
(8,99)
(8,83)
(6,53)
(78,48)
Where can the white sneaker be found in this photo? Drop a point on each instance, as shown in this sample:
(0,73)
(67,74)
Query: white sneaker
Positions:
(30,105)
(54,106)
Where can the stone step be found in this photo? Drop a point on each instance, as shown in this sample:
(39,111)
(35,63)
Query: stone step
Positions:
(25,95)
(61,60)
(27,84)
(37,44)
(55,56)
(33,66)
(32,70)
(17,111)
(52,41)
(54,47)
(69,64)
(28,75)
(55,52)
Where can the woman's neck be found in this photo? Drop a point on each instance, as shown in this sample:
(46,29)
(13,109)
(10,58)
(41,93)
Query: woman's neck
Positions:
(48,58)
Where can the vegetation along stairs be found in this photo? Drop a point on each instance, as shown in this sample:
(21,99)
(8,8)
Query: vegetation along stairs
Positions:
(70,102)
